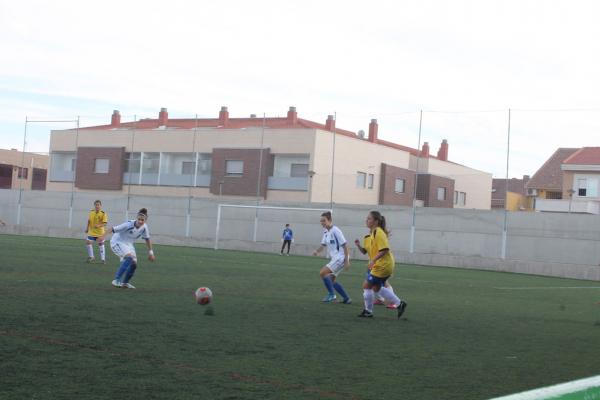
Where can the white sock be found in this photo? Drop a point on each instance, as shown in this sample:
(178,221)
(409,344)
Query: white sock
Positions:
(378,297)
(102,251)
(389,295)
(90,250)
(368,296)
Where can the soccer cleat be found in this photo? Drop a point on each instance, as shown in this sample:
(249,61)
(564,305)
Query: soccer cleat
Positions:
(90,260)
(102,261)
(378,302)
(116,283)
(288,254)
(366,314)
(401,307)
(347,301)
(329,298)
(127,285)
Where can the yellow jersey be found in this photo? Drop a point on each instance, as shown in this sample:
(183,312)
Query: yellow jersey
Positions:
(367,244)
(383,267)
(96,218)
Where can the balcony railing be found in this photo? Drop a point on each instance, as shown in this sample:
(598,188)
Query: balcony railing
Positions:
(288,183)
(566,206)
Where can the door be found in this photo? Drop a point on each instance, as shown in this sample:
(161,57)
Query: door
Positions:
(6,172)
(39,179)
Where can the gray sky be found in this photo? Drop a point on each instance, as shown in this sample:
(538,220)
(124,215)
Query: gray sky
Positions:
(387,60)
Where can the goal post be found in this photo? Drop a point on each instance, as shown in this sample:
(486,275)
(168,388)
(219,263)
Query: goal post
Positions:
(222,206)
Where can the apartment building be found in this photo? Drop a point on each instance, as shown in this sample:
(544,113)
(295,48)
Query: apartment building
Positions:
(279,159)
(27,171)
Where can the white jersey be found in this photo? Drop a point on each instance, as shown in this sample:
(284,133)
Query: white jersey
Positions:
(334,240)
(128,233)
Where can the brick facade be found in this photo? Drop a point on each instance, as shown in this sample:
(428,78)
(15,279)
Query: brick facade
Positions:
(246,183)
(86,178)
(387,187)
(427,190)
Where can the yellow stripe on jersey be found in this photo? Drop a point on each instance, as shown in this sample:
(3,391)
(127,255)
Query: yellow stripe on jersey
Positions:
(96,218)
(385,265)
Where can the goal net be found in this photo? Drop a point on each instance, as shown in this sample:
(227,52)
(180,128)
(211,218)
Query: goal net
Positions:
(265,224)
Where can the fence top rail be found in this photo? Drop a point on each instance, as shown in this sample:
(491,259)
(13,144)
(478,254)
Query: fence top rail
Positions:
(275,208)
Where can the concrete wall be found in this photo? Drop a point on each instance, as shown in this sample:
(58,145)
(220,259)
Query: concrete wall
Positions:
(538,243)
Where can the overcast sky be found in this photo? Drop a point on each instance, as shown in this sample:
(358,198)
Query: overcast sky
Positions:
(470,61)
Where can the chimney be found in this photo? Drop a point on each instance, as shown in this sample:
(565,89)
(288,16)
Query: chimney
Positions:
(330,123)
(425,151)
(443,151)
(292,116)
(373,131)
(163,117)
(223,117)
(252,115)
(115,119)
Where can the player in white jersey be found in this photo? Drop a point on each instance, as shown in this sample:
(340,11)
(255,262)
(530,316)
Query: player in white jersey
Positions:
(121,243)
(337,249)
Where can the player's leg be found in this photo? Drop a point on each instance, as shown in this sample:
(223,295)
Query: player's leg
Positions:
(123,251)
(288,242)
(337,269)
(90,248)
(282,247)
(101,249)
(326,276)
(368,296)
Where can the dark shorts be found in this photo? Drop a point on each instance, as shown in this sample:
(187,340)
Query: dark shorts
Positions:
(93,238)
(376,281)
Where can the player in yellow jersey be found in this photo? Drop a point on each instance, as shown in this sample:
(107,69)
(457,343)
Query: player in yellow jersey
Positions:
(364,249)
(381,267)
(97,220)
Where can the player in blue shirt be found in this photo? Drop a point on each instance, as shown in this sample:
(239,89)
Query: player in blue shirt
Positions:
(287,238)
(337,248)
(121,243)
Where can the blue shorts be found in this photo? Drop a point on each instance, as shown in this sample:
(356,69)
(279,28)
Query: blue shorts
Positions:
(93,238)
(376,281)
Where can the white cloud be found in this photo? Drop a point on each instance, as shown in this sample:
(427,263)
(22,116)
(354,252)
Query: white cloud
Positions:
(362,60)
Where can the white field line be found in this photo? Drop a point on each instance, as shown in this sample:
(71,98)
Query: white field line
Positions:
(546,287)
(557,391)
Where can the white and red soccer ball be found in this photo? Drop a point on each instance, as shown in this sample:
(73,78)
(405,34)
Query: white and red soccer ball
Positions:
(203,295)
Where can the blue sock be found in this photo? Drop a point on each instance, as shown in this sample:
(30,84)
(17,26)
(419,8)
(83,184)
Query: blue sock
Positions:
(122,268)
(340,290)
(130,272)
(328,284)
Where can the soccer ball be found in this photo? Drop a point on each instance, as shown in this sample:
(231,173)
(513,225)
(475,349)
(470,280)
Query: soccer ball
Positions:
(203,295)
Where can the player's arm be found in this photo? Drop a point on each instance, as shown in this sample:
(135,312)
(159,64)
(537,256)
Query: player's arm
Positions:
(359,247)
(150,251)
(103,223)
(379,255)
(346,255)
(319,250)
(87,227)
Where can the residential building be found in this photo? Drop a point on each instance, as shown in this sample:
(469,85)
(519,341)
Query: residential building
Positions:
(568,182)
(18,170)
(513,199)
(279,159)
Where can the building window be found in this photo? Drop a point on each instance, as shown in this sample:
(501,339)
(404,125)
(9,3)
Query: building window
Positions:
(554,195)
(370,181)
(101,165)
(441,193)
(22,173)
(299,170)
(361,179)
(150,163)
(187,168)
(204,163)
(581,187)
(399,185)
(456,197)
(73,164)
(132,162)
(462,199)
(234,167)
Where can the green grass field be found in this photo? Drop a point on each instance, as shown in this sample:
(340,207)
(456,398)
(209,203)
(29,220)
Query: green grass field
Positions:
(66,333)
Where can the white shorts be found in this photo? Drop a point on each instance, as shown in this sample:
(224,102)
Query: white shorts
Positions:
(336,266)
(121,249)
